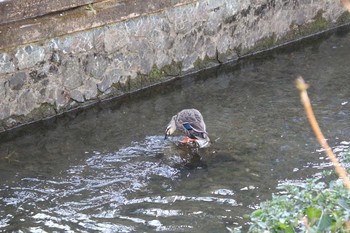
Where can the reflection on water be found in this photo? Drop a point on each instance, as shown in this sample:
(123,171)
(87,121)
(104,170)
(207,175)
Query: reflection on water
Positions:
(108,168)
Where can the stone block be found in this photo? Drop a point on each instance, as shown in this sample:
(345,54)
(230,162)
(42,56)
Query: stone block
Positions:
(189,61)
(115,38)
(3,87)
(162,59)
(56,58)
(29,56)
(147,57)
(90,89)
(78,43)
(111,77)
(95,65)
(17,81)
(99,35)
(223,44)
(5,111)
(77,96)
(72,77)
(25,103)
(6,63)
(61,97)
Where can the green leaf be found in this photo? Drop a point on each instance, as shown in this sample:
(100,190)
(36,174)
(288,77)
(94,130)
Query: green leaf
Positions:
(257,213)
(343,204)
(286,228)
(325,222)
(313,214)
(289,229)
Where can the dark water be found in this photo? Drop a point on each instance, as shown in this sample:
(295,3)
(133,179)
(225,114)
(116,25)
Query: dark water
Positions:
(108,169)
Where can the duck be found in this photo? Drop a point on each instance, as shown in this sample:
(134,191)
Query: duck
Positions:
(191,122)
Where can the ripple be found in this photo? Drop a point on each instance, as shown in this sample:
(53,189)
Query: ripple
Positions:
(223,192)
(102,182)
(176,198)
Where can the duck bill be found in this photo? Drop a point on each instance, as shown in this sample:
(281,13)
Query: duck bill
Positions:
(166,137)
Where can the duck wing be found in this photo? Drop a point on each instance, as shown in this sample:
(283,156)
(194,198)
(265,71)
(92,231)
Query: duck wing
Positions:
(193,132)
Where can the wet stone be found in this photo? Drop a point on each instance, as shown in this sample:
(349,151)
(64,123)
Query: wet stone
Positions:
(17,81)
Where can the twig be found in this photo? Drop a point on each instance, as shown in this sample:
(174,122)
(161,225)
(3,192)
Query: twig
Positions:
(302,87)
(346,4)
(306,223)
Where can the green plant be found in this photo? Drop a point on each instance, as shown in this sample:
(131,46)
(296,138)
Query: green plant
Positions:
(311,206)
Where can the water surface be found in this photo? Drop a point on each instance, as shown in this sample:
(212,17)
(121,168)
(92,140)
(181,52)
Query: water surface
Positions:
(108,168)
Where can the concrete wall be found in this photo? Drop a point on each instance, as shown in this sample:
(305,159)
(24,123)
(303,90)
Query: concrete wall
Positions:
(46,72)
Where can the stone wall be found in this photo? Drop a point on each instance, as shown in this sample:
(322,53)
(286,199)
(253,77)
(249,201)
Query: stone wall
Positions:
(50,74)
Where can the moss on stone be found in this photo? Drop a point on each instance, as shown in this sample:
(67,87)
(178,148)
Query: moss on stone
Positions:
(156,74)
(13,121)
(44,111)
(200,64)
(318,24)
(262,44)
(125,86)
(344,18)
(173,69)
(135,83)
(229,55)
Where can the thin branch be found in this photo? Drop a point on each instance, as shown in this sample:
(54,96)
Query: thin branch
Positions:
(346,4)
(302,87)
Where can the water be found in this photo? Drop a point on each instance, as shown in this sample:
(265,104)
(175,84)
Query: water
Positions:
(108,169)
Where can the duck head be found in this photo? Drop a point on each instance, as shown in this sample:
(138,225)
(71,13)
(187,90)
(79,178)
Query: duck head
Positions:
(170,129)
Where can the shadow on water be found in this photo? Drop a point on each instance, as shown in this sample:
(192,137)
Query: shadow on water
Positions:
(108,167)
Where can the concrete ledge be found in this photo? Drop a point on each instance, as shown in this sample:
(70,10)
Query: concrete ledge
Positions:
(62,61)
(82,17)
(17,10)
